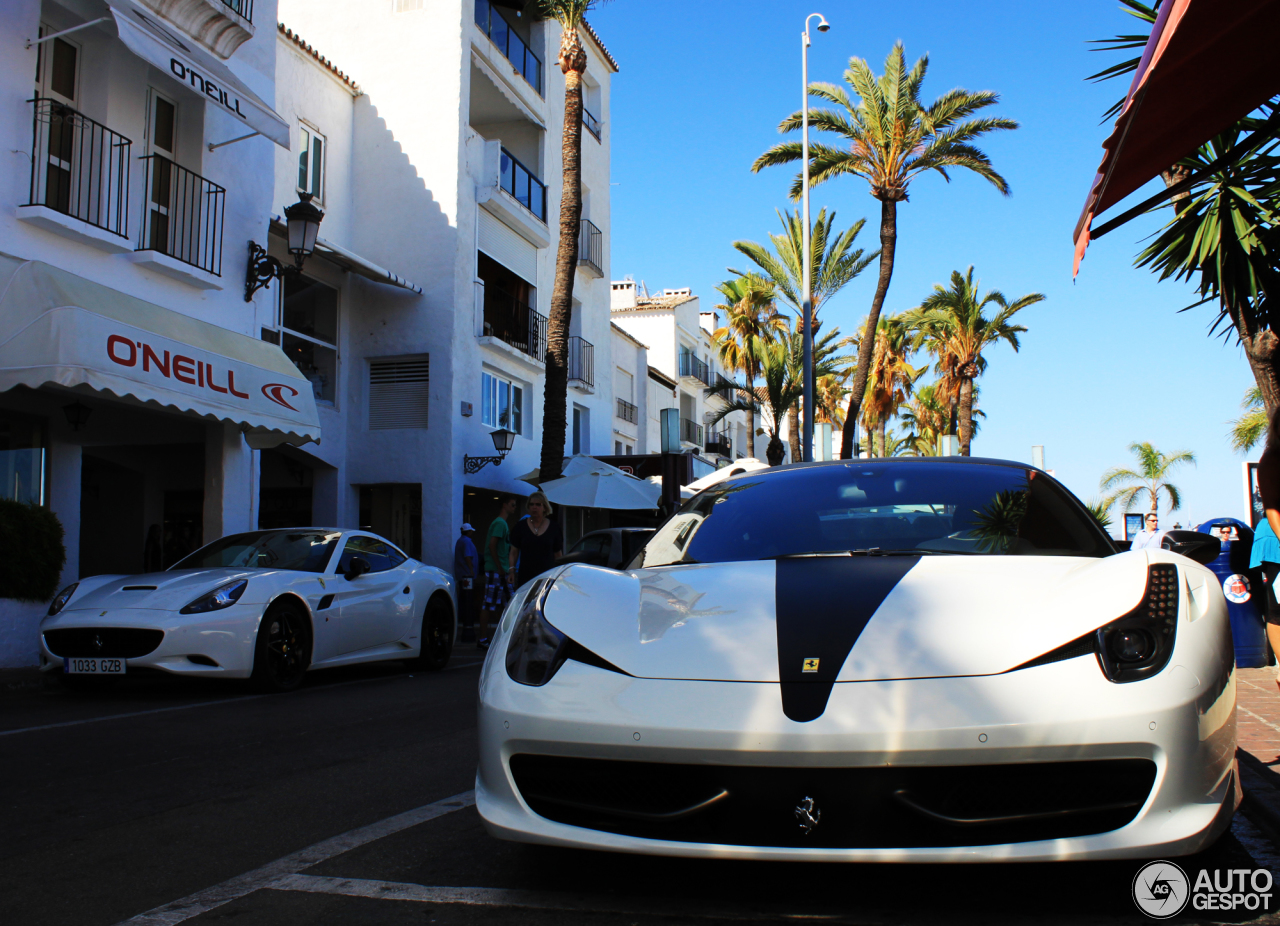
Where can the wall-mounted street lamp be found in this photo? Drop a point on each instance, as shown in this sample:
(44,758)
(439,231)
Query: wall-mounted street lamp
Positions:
(304,218)
(503,441)
(77,414)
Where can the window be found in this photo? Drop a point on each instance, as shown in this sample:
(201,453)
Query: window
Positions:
(399,392)
(380,556)
(311,163)
(623,385)
(501,403)
(60,77)
(22,454)
(581,430)
(308,332)
(299,550)
(162,123)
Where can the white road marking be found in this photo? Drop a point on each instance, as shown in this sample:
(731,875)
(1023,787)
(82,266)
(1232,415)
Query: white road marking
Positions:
(535,900)
(187,707)
(203,901)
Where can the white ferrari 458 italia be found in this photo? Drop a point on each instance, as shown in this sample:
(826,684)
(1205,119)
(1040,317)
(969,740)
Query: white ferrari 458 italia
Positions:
(266,605)
(916,660)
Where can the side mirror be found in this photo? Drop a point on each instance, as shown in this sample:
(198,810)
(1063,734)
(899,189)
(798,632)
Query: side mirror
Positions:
(357,567)
(1203,548)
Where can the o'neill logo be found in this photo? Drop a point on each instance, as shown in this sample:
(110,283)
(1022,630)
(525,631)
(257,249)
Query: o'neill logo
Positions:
(272,391)
(184,369)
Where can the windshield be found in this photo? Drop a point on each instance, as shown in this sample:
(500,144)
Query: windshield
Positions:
(879,509)
(303,550)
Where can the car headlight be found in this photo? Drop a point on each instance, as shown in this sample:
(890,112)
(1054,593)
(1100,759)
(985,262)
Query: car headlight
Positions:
(537,649)
(224,596)
(1139,645)
(60,600)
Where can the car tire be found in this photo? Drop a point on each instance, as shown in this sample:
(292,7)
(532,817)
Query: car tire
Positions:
(282,652)
(435,635)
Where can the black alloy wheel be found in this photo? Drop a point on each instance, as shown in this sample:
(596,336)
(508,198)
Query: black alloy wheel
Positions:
(436,634)
(283,650)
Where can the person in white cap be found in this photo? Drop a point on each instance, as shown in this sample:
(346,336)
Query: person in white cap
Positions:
(466,565)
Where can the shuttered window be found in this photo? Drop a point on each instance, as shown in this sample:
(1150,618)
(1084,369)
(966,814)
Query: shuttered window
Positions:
(399,391)
(508,248)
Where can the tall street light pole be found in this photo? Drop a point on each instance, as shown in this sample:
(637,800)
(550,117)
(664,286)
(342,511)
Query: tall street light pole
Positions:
(806,308)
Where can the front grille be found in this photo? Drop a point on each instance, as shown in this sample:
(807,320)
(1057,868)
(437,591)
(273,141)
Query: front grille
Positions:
(880,807)
(117,642)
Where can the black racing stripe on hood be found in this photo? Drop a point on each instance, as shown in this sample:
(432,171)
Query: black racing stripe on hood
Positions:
(823,604)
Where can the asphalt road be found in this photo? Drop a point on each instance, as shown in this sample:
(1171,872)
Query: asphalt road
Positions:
(348,802)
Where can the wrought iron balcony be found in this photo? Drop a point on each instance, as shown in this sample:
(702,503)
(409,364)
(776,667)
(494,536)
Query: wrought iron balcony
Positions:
(719,444)
(690,432)
(502,34)
(627,411)
(520,182)
(508,319)
(243,7)
(79,167)
(591,247)
(582,361)
(590,123)
(182,216)
(694,368)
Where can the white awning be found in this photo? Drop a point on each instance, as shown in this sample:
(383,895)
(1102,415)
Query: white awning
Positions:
(165,48)
(350,261)
(56,327)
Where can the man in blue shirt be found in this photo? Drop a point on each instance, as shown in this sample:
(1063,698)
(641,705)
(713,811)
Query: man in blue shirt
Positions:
(466,566)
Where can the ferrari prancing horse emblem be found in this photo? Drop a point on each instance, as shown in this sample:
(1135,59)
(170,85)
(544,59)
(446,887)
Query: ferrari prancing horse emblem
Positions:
(808,815)
(810,665)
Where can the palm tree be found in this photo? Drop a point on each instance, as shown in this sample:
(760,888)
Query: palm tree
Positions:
(927,415)
(571,15)
(750,317)
(892,377)
(835,262)
(1129,486)
(1250,427)
(891,138)
(951,323)
(828,398)
(773,399)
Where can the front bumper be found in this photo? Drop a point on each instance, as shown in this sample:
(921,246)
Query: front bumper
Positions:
(224,637)
(1182,720)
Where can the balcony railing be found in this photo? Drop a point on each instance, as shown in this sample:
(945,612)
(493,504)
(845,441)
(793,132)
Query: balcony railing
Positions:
(627,411)
(590,123)
(582,361)
(79,167)
(694,368)
(243,7)
(690,431)
(183,215)
(528,190)
(495,26)
(591,246)
(510,320)
(719,444)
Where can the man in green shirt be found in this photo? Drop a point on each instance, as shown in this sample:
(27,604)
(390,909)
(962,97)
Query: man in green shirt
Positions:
(497,587)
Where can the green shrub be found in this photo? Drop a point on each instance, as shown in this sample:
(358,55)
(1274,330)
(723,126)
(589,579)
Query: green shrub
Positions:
(31,551)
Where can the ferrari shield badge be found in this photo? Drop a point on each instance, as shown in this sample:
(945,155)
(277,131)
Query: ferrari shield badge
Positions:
(810,665)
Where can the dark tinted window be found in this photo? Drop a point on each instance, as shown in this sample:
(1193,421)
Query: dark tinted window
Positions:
(913,507)
(381,556)
(305,551)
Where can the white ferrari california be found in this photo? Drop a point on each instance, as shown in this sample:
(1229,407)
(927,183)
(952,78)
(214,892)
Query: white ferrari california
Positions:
(266,605)
(916,660)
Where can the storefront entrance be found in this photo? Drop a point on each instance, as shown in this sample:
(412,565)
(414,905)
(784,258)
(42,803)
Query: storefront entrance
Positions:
(395,512)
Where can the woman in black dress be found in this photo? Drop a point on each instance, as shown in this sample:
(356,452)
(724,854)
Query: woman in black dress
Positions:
(537,541)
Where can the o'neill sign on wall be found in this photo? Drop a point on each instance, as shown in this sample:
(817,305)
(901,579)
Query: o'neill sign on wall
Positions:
(128,347)
(148,37)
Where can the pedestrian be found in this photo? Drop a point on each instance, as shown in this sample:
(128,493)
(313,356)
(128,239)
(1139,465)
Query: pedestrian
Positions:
(466,566)
(1150,536)
(537,540)
(1266,542)
(497,587)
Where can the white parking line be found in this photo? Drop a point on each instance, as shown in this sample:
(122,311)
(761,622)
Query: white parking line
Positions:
(187,707)
(534,900)
(203,901)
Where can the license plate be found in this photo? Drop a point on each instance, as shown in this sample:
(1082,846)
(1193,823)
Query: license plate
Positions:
(94,666)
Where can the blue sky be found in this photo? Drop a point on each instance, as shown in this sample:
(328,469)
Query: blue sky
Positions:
(1107,360)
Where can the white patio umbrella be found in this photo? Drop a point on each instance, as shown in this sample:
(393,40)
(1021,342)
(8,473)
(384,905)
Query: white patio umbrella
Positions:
(614,490)
(736,468)
(575,465)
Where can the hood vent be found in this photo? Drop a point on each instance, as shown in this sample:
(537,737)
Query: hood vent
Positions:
(139,588)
